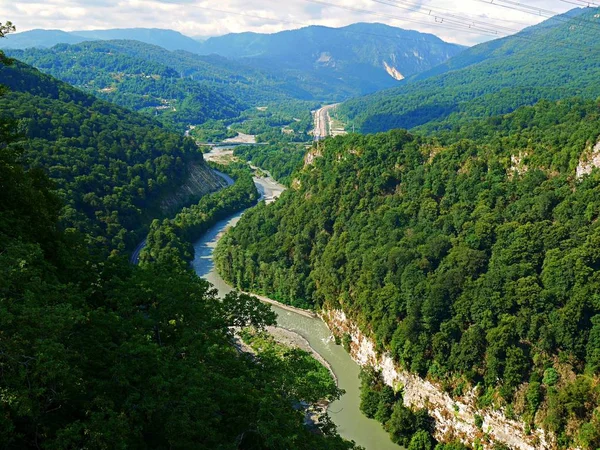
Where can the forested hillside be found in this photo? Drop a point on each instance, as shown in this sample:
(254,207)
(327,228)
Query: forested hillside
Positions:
(97,353)
(307,64)
(100,354)
(557,59)
(338,62)
(133,82)
(138,75)
(112,167)
(472,258)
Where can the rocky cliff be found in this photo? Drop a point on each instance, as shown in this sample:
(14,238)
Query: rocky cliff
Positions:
(201,180)
(455,418)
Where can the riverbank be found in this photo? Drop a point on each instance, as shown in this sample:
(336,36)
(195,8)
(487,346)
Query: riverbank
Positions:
(293,339)
(241,138)
(303,312)
(345,412)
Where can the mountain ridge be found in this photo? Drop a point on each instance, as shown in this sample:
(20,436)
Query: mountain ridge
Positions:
(330,63)
(550,60)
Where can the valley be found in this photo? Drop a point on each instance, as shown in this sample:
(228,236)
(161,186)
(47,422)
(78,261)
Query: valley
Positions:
(345,412)
(353,238)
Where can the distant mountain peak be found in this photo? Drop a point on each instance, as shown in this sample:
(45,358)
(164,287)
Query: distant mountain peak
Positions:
(332,63)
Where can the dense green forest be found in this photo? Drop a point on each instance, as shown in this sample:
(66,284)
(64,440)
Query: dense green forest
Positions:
(273,123)
(133,82)
(472,258)
(112,167)
(280,160)
(239,83)
(170,240)
(96,353)
(100,354)
(556,59)
(278,123)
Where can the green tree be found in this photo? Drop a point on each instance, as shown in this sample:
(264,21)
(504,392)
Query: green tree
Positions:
(421,440)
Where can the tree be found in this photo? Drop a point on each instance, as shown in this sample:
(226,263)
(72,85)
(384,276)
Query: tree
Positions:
(401,425)
(5,28)
(421,440)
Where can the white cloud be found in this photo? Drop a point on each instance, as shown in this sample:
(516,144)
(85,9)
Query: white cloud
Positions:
(216,17)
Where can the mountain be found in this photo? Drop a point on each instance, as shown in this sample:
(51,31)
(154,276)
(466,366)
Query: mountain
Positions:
(39,39)
(471,258)
(134,82)
(327,64)
(115,170)
(358,58)
(169,39)
(140,75)
(556,59)
(99,353)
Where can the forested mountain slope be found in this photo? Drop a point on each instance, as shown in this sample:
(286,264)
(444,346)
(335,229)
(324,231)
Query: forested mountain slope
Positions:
(113,168)
(309,63)
(178,85)
(471,257)
(134,82)
(96,353)
(557,59)
(356,59)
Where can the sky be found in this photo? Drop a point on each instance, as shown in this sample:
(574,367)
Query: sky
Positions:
(202,18)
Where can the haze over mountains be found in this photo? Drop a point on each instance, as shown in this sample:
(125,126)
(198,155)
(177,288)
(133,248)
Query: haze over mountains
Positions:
(552,60)
(331,63)
(169,39)
(375,53)
(464,251)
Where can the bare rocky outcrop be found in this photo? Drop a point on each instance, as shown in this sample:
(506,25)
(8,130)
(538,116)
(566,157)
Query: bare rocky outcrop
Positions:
(313,154)
(455,418)
(393,72)
(588,161)
(201,180)
(518,165)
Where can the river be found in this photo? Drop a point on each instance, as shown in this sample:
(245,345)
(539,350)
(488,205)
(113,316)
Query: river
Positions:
(345,413)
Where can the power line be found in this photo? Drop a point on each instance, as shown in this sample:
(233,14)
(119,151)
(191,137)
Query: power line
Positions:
(465,21)
(499,29)
(272,19)
(439,22)
(581,3)
(535,10)
(517,35)
(512,21)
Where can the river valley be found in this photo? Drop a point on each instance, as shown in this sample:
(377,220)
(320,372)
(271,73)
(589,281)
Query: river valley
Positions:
(345,413)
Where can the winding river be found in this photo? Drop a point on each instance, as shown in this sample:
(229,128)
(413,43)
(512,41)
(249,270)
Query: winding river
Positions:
(345,412)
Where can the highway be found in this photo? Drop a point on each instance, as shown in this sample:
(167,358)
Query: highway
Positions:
(324,124)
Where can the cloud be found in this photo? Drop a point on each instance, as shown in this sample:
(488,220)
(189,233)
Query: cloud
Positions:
(445,18)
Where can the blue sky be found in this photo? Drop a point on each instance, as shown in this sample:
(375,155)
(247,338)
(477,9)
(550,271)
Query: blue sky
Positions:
(217,17)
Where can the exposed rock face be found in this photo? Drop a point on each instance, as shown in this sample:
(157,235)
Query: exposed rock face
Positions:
(393,72)
(517,165)
(310,157)
(201,180)
(455,419)
(589,160)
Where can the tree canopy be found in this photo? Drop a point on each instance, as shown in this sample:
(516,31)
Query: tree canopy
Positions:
(470,257)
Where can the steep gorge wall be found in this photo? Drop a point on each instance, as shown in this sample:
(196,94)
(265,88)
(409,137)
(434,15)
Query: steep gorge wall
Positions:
(455,418)
(201,180)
